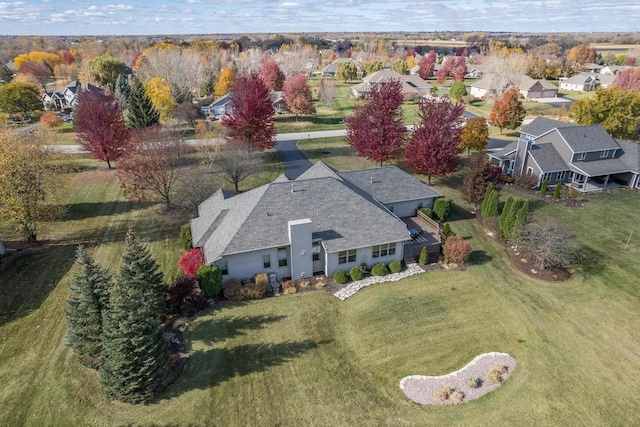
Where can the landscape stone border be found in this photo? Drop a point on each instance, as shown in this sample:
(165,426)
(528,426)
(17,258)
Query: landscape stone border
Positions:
(354,287)
(420,388)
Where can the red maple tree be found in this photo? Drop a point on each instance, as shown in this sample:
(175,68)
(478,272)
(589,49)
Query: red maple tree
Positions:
(100,126)
(375,129)
(460,69)
(628,79)
(250,124)
(191,261)
(433,147)
(297,95)
(271,74)
(427,64)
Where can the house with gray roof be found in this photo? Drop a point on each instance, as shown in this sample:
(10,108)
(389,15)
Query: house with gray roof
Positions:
(527,87)
(66,97)
(585,158)
(583,82)
(413,86)
(321,222)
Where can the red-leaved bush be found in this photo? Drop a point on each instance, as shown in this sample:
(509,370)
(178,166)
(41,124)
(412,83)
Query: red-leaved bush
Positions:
(456,250)
(191,261)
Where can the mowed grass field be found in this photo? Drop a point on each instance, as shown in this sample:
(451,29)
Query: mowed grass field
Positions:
(310,359)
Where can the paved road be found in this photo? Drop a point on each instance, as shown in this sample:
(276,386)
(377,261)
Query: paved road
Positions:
(295,162)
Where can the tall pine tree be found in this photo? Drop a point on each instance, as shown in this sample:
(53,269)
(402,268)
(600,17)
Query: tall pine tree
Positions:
(88,298)
(521,219)
(123,91)
(136,357)
(140,110)
(502,222)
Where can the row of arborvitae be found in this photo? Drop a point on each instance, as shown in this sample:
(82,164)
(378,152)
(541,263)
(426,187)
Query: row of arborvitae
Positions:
(114,323)
(513,217)
(358,272)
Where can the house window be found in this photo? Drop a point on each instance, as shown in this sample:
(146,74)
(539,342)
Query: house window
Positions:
(266,261)
(384,250)
(224,268)
(604,153)
(582,156)
(561,176)
(347,256)
(420,205)
(315,250)
(282,257)
(546,177)
(529,171)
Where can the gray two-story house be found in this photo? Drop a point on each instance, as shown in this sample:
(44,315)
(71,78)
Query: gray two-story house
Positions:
(586,158)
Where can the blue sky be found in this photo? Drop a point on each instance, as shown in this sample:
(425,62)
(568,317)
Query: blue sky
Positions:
(55,17)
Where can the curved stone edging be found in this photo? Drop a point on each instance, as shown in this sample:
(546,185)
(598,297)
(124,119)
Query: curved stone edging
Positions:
(420,388)
(354,287)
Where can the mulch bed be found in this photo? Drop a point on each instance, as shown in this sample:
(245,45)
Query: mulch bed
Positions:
(566,201)
(524,263)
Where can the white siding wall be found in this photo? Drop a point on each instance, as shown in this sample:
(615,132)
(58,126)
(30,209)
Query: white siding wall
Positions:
(248,264)
(477,92)
(362,255)
(404,209)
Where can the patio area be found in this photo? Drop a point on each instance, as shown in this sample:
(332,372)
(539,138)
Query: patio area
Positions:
(429,236)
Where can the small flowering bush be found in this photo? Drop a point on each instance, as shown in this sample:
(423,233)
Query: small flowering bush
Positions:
(191,261)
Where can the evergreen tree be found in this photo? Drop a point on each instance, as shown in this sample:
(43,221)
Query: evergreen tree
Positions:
(521,219)
(136,358)
(140,110)
(88,298)
(543,187)
(556,191)
(424,256)
(123,91)
(502,222)
(485,200)
(493,202)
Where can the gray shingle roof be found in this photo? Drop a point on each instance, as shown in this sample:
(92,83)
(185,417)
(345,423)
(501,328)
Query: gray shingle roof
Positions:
(527,83)
(382,76)
(319,170)
(601,167)
(504,152)
(541,125)
(548,158)
(588,138)
(389,184)
(631,154)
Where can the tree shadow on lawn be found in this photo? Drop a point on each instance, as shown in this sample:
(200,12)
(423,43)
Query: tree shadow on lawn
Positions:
(27,279)
(212,367)
(322,153)
(80,211)
(223,328)
(479,257)
(589,262)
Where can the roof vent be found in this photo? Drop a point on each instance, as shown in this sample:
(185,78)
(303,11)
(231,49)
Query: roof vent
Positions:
(371,179)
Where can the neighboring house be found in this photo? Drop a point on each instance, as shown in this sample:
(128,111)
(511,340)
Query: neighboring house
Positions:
(66,97)
(586,158)
(321,222)
(474,71)
(583,82)
(412,85)
(415,70)
(222,105)
(592,68)
(537,88)
(482,88)
(614,69)
(332,69)
(279,104)
(606,80)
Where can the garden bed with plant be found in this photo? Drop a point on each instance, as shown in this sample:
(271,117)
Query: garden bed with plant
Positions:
(482,375)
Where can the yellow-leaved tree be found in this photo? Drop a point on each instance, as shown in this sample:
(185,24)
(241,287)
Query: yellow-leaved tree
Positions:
(225,82)
(159,92)
(31,182)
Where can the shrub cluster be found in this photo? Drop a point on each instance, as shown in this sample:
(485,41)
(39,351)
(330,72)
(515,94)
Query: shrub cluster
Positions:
(379,270)
(495,374)
(340,277)
(185,296)
(210,279)
(449,393)
(442,208)
(356,274)
(191,261)
(427,211)
(50,120)
(289,288)
(456,250)
(236,292)
(261,279)
(186,240)
(395,266)
(474,382)
(446,230)
(525,181)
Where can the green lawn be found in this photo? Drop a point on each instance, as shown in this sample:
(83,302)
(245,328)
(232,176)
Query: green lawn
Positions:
(311,359)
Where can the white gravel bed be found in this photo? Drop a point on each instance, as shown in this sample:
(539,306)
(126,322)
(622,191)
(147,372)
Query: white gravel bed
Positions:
(420,388)
(354,287)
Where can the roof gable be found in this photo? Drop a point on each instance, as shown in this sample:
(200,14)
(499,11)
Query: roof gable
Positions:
(587,138)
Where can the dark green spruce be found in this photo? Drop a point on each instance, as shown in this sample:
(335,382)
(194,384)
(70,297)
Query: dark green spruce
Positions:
(141,112)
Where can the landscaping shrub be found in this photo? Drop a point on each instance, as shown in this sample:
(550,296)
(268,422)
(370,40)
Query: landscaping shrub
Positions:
(457,90)
(442,208)
(495,374)
(364,267)
(427,211)
(210,279)
(185,296)
(446,230)
(456,250)
(232,291)
(508,218)
(556,191)
(191,261)
(395,266)
(443,394)
(490,203)
(573,193)
(50,120)
(525,181)
(474,382)
(262,279)
(356,274)
(379,270)
(186,240)
(457,396)
(288,288)
(543,187)
(340,277)
(424,256)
